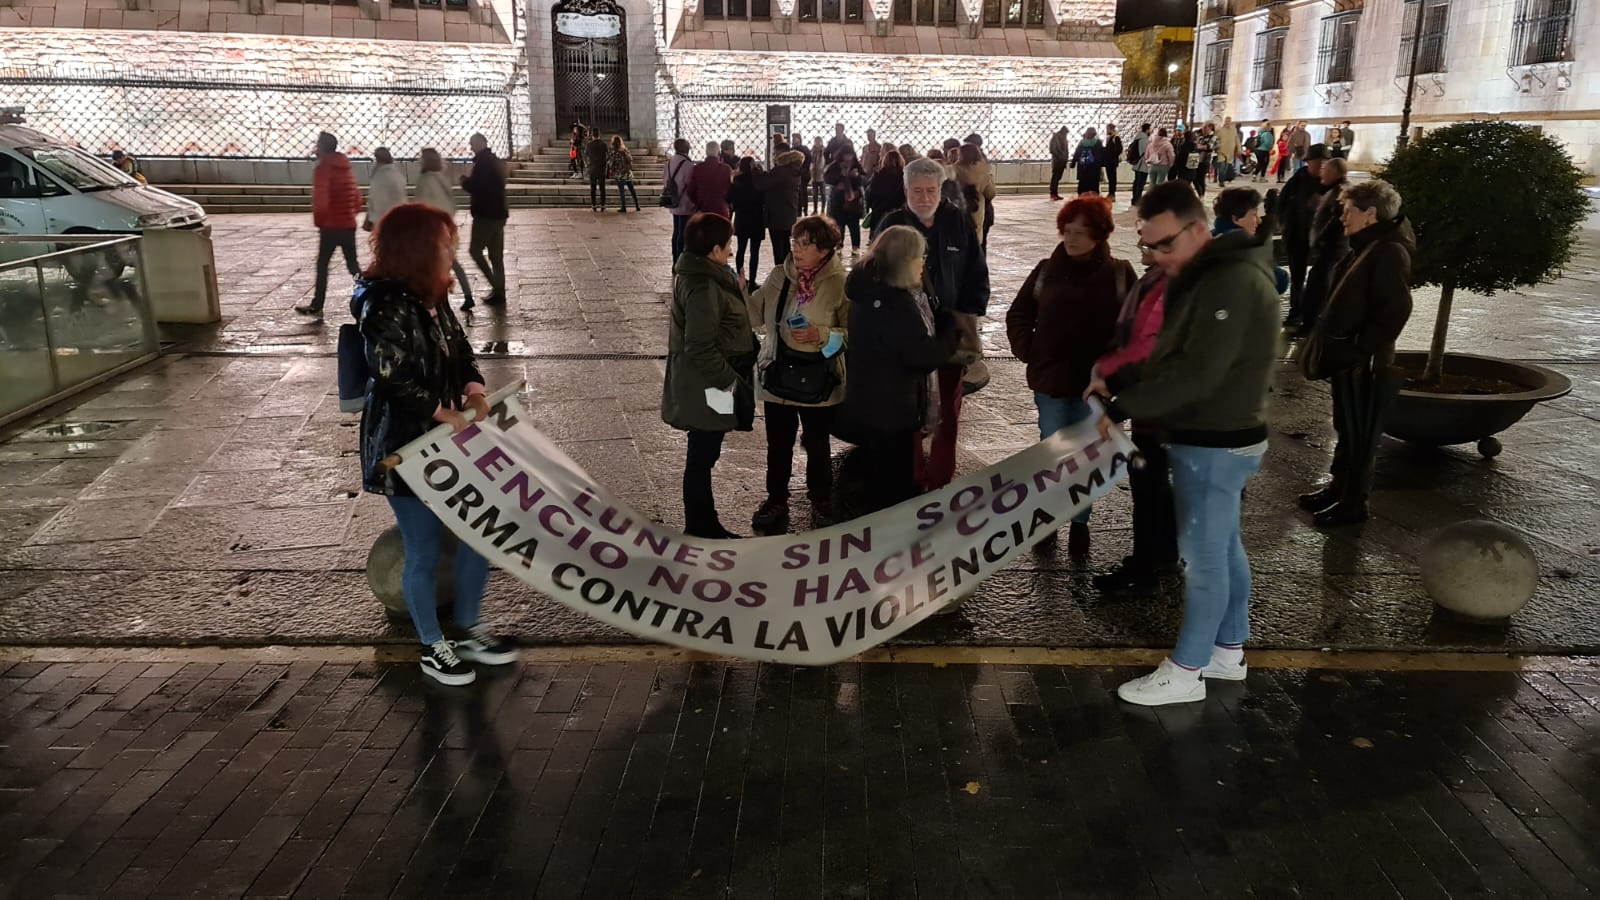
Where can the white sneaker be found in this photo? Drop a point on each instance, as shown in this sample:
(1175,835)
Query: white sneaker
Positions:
(1169,683)
(1225,669)
(480,646)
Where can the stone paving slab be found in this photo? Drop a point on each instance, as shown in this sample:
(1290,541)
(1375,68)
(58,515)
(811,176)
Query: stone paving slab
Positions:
(214,495)
(230,777)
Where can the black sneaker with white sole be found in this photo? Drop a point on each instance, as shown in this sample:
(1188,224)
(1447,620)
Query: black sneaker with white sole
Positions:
(480,646)
(440,662)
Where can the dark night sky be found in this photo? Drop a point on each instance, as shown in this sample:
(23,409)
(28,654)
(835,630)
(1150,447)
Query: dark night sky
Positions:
(1132,14)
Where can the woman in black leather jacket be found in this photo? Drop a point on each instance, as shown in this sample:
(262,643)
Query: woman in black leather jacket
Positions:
(421,373)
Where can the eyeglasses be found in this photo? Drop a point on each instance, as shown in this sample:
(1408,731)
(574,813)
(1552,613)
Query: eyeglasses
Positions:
(1164,245)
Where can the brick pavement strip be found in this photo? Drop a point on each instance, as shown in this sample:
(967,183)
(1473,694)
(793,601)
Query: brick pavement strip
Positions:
(711,779)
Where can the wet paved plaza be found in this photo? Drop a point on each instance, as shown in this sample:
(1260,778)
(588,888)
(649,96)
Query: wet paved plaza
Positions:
(213,498)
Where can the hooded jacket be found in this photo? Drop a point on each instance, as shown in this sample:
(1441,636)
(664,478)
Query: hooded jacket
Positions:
(386,191)
(418,362)
(781,187)
(1160,152)
(709,345)
(828,310)
(1369,302)
(1206,378)
(889,357)
(335,197)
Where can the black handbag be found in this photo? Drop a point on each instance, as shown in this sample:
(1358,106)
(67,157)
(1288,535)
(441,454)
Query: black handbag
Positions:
(797,375)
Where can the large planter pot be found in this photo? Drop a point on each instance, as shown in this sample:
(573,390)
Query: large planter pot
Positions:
(1440,419)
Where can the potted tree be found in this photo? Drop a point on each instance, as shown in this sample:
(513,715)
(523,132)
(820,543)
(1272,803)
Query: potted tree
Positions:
(1495,206)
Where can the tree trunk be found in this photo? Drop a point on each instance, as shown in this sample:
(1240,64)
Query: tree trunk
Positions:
(1441,327)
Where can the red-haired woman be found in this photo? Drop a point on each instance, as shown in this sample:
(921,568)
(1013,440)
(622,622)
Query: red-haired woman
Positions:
(422,373)
(1063,319)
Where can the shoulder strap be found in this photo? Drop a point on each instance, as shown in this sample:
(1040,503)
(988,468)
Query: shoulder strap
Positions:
(1122,278)
(1038,280)
(783,300)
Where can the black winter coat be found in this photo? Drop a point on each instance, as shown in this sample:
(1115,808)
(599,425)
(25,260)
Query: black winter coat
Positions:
(416,363)
(957,271)
(487,186)
(781,187)
(885,194)
(1111,153)
(749,207)
(847,200)
(888,358)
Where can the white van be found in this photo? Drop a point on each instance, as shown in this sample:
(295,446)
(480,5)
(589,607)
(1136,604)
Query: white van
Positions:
(51,187)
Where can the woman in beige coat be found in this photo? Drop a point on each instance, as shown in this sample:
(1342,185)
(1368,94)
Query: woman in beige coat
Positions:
(977,185)
(802,306)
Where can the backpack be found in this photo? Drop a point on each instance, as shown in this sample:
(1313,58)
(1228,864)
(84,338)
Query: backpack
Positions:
(669,189)
(1134,153)
(1087,157)
(1120,276)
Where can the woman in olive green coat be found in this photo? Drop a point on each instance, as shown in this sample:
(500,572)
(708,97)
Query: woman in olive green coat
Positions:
(710,353)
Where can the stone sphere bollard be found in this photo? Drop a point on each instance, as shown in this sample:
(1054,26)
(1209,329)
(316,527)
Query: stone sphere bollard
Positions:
(1479,569)
(386,563)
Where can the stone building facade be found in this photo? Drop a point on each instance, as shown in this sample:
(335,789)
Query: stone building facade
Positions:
(1328,61)
(99,70)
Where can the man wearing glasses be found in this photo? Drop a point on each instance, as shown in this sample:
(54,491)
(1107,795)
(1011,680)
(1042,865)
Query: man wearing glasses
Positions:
(1205,382)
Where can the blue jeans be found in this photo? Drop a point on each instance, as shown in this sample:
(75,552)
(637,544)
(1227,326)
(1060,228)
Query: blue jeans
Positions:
(1206,486)
(1056,413)
(678,223)
(423,534)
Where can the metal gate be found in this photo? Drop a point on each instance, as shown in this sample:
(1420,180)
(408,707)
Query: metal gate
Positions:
(591,65)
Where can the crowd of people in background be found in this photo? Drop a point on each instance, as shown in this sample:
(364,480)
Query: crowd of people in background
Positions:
(865,329)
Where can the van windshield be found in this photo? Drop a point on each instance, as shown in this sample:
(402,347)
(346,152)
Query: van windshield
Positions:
(78,169)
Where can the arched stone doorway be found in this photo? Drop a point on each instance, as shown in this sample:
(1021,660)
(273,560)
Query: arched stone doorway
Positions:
(590,46)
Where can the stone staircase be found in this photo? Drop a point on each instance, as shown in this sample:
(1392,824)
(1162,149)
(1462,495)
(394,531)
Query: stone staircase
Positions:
(538,182)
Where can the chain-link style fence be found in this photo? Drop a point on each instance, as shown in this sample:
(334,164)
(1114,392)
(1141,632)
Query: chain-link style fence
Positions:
(167,116)
(1013,127)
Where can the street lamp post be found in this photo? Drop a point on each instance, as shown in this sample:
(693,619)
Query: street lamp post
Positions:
(1411,77)
(1172,69)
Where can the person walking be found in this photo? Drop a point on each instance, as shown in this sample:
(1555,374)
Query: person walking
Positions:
(1200,160)
(709,183)
(1160,157)
(710,353)
(846,194)
(1061,147)
(680,168)
(598,154)
(899,338)
(422,374)
(1111,160)
(386,189)
(1206,382)
(749,217)
(783,193)
(1154,553)
(805,315)
(432,189)
(1297,207)
(819,181)
(1137,152)
(1280,157)
(619,167)
(486,186)
(958,281)
(335,201)
(1368,307)
(1265,143)
(1328,244)
(1086,160)
(1064,317)
(886,192)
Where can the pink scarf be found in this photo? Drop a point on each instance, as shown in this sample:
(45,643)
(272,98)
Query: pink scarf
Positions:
(805,289)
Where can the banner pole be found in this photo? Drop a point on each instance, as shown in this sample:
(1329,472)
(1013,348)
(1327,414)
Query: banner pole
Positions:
(443,430)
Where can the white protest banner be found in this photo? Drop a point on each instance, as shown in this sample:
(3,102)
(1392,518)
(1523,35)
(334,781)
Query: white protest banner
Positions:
(811,599)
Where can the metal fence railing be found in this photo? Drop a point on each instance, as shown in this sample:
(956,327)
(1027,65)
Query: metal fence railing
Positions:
(1013,127)
(210,118)
(1542,32)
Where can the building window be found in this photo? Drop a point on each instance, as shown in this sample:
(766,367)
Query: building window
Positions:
(1269,59)
(1216,83)
(1430,54)
(1337,50)
(1014,13)
(733,9)
(925,12)
(1542,32)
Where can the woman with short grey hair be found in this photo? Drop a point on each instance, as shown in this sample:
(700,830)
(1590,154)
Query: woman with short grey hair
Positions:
(1353,344)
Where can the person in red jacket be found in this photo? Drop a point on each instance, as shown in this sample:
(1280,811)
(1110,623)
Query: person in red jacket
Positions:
(1064,318)
(335,206)
(710,182)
